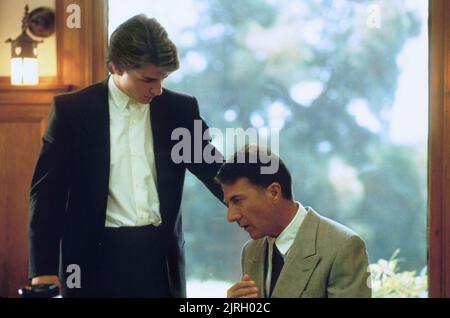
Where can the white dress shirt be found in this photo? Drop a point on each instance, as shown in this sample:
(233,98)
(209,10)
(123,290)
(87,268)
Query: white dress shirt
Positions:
(284,241)
(133,196)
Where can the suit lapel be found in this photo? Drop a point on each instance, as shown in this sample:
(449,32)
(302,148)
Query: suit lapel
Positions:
(159,121)
(301,261)
(97,125)
(256,265)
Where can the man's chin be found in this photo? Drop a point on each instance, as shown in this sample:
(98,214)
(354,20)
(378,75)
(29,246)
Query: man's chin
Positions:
(145,101)
(255,236)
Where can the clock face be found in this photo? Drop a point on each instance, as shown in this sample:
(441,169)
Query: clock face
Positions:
(41,22)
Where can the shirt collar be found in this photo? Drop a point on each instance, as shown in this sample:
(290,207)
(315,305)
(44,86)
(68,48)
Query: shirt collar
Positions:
(286,238)
(119,98)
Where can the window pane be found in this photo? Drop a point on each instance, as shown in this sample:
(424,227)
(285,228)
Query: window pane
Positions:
(346,84)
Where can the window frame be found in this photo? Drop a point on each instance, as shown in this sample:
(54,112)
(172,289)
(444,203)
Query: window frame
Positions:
(439,151)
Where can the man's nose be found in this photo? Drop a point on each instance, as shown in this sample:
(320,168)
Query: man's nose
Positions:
(232,215)
(156,89)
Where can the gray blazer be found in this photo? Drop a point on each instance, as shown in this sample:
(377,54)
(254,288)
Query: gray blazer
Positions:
(326,260)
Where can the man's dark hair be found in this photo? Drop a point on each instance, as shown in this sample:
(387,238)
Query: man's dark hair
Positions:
(247,163)
(140,41)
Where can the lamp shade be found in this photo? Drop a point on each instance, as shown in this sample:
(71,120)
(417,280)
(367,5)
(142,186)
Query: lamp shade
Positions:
(24,65)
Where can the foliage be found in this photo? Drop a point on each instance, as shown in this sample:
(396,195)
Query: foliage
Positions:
(389,282)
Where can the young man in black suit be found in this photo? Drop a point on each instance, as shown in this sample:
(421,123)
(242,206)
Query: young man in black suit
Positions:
(106,191)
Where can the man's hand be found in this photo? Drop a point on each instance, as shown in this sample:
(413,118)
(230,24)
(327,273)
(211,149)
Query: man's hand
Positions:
(47,279)
(246,288)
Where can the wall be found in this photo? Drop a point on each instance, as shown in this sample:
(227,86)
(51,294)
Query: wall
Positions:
(23,117)
(11,14)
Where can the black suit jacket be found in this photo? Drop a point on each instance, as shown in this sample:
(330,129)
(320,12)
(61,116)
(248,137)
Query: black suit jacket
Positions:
(69,188)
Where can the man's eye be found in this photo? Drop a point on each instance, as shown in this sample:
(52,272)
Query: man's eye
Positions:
(151,80)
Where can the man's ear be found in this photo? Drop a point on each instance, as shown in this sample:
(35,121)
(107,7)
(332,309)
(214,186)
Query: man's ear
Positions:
(274,190)
(116,70)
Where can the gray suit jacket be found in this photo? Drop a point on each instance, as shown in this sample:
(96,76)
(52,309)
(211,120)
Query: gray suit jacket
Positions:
(326,260)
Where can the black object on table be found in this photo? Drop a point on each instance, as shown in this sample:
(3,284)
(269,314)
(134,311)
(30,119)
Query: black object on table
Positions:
(39,291)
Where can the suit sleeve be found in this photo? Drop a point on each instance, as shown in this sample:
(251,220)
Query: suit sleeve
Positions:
(48,197)
(207,168)
(350,275)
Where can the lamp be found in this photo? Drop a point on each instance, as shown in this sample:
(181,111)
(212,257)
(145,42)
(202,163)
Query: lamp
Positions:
(24,64)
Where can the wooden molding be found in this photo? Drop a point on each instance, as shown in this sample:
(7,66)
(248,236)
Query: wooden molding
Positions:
(6,80)
(439,151)
(24,95)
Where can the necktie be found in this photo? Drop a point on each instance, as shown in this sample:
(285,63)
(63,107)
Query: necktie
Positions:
(277,265)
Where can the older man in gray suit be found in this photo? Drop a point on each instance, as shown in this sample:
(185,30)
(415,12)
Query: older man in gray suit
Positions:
(295,252)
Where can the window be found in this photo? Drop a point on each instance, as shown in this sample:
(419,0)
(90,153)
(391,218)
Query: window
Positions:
(346,85)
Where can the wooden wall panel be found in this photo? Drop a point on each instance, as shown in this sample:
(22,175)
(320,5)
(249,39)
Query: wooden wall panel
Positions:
(19,141)
(23,119)
(81,51)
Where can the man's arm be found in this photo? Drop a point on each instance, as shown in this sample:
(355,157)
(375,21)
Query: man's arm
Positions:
(48,197)
(349,275)
(205,171)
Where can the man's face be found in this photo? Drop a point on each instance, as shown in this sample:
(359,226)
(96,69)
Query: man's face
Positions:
(251,207)
(141,84)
